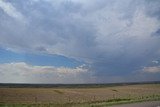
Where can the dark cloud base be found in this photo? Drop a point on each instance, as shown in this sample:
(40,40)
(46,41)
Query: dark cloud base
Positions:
(115,39)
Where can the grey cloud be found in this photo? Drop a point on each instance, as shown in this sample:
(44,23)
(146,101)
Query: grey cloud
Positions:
(113,36)
(11,11)
(156,33)
(153,8)
(53,28)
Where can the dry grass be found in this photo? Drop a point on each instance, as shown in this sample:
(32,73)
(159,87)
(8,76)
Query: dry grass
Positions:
(77,95)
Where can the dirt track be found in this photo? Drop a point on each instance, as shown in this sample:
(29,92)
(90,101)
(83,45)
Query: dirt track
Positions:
(143,104)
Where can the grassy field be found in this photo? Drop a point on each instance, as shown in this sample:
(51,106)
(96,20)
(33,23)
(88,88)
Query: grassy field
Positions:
(78,97)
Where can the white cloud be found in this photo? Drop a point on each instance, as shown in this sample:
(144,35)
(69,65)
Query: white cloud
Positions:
(11,10)
(156,62)
(22,72)
(154,69)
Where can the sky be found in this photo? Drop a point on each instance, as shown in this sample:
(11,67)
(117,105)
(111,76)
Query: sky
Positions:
(79,41)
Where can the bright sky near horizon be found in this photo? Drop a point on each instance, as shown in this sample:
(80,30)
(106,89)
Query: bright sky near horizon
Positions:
(79,41)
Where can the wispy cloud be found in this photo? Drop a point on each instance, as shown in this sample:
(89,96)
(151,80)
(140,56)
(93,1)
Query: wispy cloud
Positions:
(9,9)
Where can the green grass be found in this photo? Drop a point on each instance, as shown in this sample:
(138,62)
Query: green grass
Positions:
(90,104)
(126,101)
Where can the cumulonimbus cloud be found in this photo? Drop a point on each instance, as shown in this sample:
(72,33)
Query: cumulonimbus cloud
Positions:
(114,37)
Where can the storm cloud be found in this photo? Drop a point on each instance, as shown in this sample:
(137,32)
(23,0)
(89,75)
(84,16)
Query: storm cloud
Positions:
(113,38)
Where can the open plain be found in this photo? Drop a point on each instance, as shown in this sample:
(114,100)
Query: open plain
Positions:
(89,96)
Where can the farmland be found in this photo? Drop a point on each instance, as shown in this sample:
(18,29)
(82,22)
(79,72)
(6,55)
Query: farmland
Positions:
(78,96)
